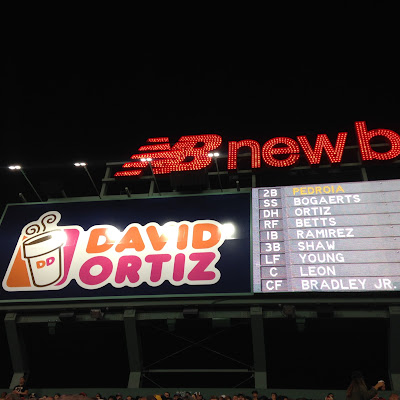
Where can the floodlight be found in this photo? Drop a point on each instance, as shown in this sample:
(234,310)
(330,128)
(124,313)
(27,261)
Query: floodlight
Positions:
(18,167)
(83,164)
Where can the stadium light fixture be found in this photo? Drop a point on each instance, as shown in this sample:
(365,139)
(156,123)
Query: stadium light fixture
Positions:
(19,168)
(84,166)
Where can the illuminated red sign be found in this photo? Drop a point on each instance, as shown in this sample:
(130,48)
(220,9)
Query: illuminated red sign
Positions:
(191,152)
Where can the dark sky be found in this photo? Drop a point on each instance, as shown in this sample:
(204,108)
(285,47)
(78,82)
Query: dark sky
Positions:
(72,102)
(95,86)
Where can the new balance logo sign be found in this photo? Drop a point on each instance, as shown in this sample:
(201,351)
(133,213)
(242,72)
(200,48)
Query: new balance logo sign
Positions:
(191,152)
(188,154)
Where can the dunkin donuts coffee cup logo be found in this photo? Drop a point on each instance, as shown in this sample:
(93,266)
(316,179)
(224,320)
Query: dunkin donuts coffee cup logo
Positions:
(48,256)
(43,254)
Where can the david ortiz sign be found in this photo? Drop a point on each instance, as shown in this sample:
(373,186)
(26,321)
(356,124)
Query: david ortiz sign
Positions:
(190,245)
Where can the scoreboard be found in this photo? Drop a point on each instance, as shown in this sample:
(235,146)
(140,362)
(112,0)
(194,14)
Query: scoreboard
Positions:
(327,238)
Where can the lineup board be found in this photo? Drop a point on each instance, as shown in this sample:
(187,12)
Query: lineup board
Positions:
(327,237)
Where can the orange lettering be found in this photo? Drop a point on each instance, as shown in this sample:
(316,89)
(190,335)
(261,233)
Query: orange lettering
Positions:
(131,240)
(198,235)
(93,245)
(157,241)
(183,233)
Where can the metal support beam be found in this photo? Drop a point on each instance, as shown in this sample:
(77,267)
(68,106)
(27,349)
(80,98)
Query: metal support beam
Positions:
(257,333)
(151,189)
(134,349)
(199,370)
(394,348)
(104,184)
(16,345)
(364,174)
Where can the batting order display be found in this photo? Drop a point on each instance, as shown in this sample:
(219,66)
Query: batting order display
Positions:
(329,237)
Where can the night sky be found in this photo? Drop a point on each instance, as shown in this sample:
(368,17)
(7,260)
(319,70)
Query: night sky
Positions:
(97,98)
(83,101)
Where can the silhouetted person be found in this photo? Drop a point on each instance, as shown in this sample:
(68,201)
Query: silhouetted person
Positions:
(21,389)
(358,389)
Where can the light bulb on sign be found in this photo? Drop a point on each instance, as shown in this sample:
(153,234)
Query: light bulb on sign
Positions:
(113,234)
(171,232)
(59,236)
(228,230)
